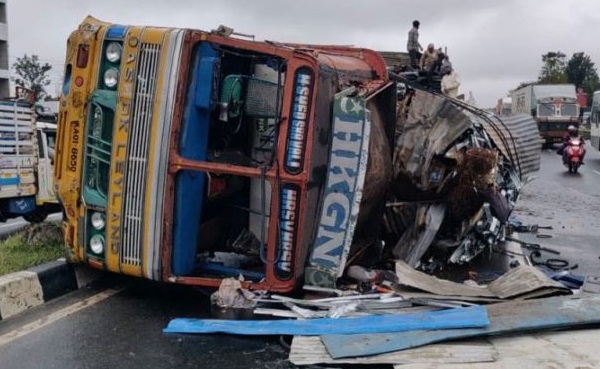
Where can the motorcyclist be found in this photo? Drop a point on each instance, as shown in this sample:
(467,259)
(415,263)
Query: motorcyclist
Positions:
(572,133)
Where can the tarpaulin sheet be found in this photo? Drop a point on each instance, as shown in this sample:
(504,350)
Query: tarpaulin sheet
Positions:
(470,317)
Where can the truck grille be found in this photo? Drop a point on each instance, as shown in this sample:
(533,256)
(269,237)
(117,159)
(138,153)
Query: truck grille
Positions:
(140,128)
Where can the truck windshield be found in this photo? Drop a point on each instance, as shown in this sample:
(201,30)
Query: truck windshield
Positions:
(98,151)
(546,110)
(568,110)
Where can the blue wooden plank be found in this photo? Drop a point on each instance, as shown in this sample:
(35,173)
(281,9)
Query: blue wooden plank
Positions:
(454,318)
(509,317)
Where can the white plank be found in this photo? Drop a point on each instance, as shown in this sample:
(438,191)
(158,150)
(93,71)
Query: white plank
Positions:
(20,128)
(311,351)
(566,349)
(14,161)
(12,191)
(12,109)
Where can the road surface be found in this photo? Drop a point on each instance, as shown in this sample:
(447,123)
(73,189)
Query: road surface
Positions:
(120,327)
(570,203)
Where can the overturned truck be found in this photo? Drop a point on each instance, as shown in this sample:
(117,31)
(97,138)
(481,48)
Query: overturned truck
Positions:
(188,157)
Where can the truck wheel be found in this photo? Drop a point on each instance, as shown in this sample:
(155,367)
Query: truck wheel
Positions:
(37,216)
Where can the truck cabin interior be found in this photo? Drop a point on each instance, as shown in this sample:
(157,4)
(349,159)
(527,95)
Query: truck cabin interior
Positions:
(230,119)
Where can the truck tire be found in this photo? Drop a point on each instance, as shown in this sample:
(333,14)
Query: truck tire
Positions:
(37,216)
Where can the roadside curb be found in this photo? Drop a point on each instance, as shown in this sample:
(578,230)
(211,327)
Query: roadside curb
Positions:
(26,289)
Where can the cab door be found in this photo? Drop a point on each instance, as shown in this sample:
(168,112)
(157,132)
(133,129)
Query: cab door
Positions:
(46,146)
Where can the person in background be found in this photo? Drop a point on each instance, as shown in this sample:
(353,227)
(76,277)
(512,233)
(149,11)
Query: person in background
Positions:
(450,81)
(429,58)
(413,46)
(572,132)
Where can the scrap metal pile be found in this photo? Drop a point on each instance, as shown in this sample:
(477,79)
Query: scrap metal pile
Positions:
(457,176)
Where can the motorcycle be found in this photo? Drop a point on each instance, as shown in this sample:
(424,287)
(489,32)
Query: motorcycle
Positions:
(574,152)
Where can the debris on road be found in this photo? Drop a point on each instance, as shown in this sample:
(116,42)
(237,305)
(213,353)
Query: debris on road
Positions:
(505,318)
(474,316)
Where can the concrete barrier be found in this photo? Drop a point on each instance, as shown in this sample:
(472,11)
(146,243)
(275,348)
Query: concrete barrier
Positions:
(24,290)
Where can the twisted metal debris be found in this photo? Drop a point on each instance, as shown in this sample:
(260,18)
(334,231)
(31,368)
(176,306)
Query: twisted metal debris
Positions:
(458,172)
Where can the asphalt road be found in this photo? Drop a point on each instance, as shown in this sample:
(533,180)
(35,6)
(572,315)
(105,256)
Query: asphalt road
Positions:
(121,328)
(118,323)
(570,203)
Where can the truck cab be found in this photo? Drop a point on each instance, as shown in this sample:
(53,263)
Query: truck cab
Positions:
(188,156)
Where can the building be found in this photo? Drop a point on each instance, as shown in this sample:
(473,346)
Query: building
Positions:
(4,61)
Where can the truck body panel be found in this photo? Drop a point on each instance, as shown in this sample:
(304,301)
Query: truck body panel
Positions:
(595,121)
(26,181)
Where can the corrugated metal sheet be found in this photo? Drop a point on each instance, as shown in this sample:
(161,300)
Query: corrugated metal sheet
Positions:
(475,316)
(311,351)
(518,138)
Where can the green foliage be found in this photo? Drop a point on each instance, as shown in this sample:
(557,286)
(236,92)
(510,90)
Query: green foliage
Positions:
(553,68)
(581,71)
(578,70)
(36,244)
(32,74)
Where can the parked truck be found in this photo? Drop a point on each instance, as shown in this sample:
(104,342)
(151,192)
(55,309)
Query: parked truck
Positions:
(554,107)
(26,162)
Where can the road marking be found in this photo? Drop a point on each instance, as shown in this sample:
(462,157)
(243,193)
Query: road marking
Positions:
(595,171)
(57,315)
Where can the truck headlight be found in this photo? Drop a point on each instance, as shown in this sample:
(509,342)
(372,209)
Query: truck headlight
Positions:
(113,52)
(111,77)
(97,244)
(98,221)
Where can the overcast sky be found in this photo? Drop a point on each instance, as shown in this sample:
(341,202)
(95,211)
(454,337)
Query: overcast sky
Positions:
(493,45)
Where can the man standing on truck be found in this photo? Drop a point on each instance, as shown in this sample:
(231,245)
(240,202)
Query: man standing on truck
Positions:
(413,45)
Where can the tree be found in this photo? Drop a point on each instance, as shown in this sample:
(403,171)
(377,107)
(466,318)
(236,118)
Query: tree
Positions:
(553,68)
(581,72)
(32,74)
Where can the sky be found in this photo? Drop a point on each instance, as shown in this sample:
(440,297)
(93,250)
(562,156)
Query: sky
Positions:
(493,45)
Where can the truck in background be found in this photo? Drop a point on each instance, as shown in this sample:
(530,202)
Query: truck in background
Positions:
(595,121)
(26,162)
(554,108)
(504,107)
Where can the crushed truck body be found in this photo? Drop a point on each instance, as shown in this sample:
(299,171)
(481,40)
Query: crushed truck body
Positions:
(457,176)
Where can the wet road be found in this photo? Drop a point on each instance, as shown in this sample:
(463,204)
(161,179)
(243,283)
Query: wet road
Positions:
(121,328)
(118,324)
(570,203)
